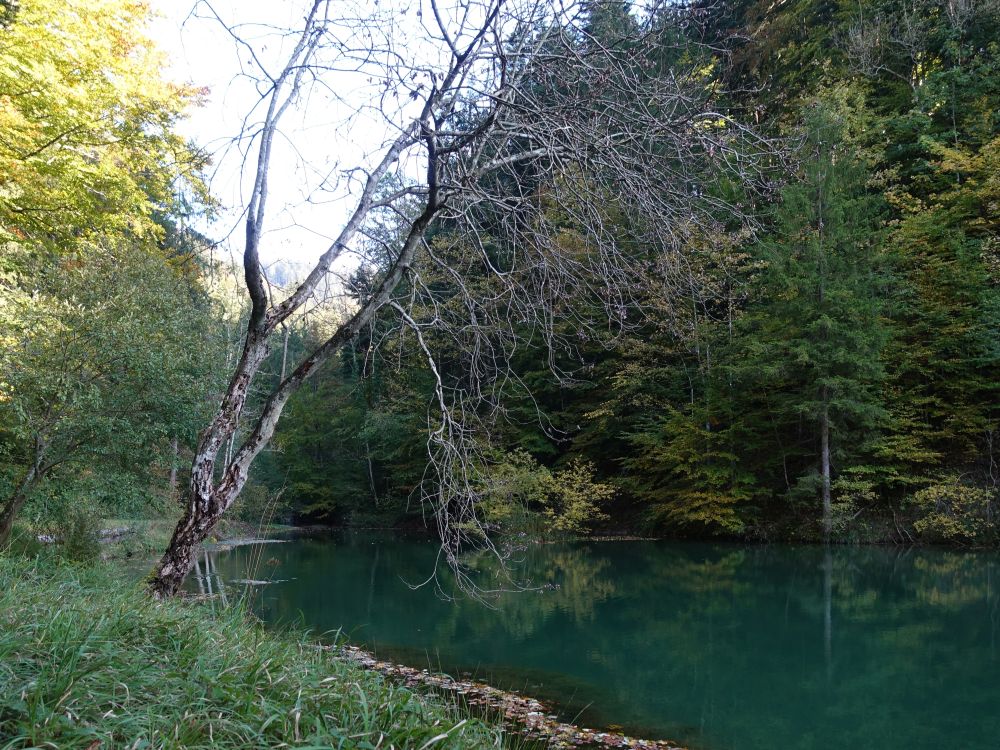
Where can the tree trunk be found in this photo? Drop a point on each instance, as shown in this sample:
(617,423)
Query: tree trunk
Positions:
(825,463)
(172,482)
(20,495)
(13,506)
(179,558)
(206,502)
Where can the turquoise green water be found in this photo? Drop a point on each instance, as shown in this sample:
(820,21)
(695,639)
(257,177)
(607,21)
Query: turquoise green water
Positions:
(718,647)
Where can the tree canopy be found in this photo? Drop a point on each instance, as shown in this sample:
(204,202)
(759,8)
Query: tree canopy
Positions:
(721,269)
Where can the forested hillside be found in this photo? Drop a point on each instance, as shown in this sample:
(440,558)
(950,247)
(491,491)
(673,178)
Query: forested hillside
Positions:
(830,366)
(824,361)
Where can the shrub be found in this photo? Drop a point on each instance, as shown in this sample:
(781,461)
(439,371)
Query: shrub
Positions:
(519,494)
(952,511)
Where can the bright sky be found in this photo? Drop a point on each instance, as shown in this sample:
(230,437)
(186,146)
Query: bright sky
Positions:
(309,194)
(357,105)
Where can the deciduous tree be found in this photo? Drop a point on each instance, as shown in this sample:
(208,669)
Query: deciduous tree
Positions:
(108,357)
(501,104)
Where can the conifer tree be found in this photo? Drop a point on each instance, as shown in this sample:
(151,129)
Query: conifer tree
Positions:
(811,346)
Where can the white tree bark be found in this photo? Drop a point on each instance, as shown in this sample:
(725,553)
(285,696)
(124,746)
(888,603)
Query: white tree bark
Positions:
(502,129)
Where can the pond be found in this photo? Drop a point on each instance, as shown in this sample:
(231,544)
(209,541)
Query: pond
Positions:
(718,647)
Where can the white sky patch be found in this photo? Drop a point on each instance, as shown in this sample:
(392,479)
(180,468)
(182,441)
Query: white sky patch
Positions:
(336,128)
(377,61)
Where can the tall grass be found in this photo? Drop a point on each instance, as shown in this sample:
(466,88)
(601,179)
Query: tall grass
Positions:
(88,661)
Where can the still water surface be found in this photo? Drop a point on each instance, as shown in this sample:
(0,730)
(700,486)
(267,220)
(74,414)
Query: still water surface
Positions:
(714,646)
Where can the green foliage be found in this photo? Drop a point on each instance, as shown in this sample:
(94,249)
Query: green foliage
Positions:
(953,511)
(112,359)
(808,349)
(88,148)
(689,474)
(512,491)
(69,508)
(575,500)
(517,493)
(106,342)
(354,445)
(76,529)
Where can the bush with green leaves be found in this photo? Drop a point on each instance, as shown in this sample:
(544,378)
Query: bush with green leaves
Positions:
(953,511)
(519,494)
(112,358)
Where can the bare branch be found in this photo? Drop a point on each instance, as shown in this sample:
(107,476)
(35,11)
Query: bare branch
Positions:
(554,168)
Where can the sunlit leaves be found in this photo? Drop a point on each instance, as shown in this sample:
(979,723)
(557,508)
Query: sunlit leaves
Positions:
(87,145)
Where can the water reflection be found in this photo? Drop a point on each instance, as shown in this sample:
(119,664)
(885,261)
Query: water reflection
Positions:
(713,645)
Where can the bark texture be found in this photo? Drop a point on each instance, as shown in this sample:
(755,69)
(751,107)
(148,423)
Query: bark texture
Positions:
(477,123)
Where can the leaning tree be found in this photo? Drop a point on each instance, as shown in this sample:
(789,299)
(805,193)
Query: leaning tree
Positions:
(509,120)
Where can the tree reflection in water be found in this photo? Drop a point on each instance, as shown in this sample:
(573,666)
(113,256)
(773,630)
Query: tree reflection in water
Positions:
(719,646)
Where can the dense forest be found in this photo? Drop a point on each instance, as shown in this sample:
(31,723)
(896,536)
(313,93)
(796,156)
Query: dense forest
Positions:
(825,365)
(833,368)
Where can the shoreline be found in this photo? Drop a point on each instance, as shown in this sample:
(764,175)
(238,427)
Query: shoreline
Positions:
(528,717)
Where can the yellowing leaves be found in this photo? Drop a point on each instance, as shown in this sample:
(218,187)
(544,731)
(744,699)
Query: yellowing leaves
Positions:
(86,141)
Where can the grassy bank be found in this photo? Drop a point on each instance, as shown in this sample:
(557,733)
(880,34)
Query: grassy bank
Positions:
(87,660)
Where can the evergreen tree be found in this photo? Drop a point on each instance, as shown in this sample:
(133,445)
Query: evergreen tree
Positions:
(809,349)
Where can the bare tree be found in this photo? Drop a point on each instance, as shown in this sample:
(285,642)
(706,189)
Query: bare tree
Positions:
(511,122)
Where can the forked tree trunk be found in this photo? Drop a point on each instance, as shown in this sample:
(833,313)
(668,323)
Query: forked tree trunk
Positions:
(208,501)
